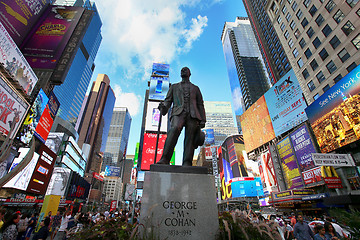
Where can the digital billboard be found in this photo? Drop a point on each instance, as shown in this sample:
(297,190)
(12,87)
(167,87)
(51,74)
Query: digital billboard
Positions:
(78,187)
(286,104)
(290,168)
(54,141)
(43,170)
(209,136)
(256,125)
(59,181)
(15,63)
(267,172)
(45,47)
(335,115)
(111,171)
(159,86)
(12,107)
(233,157)
(153,116)
(18,17)
(160,70)
(148,151)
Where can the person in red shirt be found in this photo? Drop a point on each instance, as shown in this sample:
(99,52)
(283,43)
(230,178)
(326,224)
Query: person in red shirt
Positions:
(293,220)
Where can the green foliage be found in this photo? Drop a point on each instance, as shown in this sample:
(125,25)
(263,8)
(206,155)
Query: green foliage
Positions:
(350,219)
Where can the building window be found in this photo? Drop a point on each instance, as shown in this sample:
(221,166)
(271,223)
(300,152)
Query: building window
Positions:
(348,28)
(316,42)
(291,43)
(292,25)
(339,16)
(351,67)
(316,96)
(305,73)
(331,67)
(311,86)
(308,53)
(334,42)
(327,87)
(299,14)
(310,32)
(297,33)
(326,30)
(312,10)
(323,54)
(294,6)
(319,20)
(284,10)
(288,17)
(307,3)
(337,78)
(282,26)
(320,76)
(300,63)
(295,53)
(286,34)
(330,6)
(356,41)
(352,3)
(304,22)
(343,55)
(314,65)
(302,42)
(279,19)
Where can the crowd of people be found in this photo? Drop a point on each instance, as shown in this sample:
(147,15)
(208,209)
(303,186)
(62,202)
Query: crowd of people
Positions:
(18,226)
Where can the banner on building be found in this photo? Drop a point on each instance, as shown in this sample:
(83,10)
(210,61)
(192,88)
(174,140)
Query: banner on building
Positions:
(153,117)
(113,205)
(148,151)
(159,86)
(209,136)
(160,70)
(59,181)
(111,171)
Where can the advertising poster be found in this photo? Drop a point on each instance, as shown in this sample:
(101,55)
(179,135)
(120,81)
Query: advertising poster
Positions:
(263,179)
(290,168)
(15,63)
(45,46)
(59,181)
(12,107)
(334,116)
(148,151)
(256,125)
(209,136)
(6,164)
(269,171)
(78,187)
(18,17)
(160,70)
(153,116)
(113,205)
(111,171)
(159,86)
(286,104)
(312,175)
(21,180)
(54,141)
(225,176)
(232,153)
(43,170)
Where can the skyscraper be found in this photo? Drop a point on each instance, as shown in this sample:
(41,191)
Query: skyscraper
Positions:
(219,117)
(95,122)
(276,61)
(246,70)
(118,137)
(72,92)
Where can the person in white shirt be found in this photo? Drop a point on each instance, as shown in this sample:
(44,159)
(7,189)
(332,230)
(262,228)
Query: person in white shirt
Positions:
(63,225)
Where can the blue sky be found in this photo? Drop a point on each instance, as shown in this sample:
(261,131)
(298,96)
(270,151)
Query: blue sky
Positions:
(137,33)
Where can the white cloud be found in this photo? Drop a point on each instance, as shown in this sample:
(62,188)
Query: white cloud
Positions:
(237,100)
(129,100)
(137,33)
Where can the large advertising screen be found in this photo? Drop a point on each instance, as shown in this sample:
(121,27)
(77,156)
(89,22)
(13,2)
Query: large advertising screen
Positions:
(267,172)
(59,181)
(15,63)
(148,151)
(153,116)
(256,125)
(290,168)
(209,136)
(12,108)
(233,157)
(159,86)
(18,17)
(78,187)
(111,171)
(160,70)
(43,170)
(286,104)
(54,141)
(45,46)
(335,115)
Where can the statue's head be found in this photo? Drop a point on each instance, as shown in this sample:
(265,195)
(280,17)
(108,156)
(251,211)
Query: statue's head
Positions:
(185,72)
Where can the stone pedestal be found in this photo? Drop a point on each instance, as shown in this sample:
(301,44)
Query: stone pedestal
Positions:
(179,203)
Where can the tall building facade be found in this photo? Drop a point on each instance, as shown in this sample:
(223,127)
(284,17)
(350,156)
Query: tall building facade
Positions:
(118,137)
(113,188)
(321,39)
(246,70)
(276,61)
(72,92)
(95,123)
(219,117)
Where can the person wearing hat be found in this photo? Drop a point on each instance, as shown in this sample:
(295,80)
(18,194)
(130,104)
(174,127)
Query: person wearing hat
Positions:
(188,111)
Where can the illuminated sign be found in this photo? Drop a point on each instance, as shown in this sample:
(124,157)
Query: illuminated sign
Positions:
(153,116)
(159,86)
(148,152)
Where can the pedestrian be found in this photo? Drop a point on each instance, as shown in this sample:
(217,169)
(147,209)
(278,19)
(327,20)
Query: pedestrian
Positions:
(31,226)
(55,224)
(22,226)
(302,230)
(60,235)
(293,219)
(330,232)
(2,214)
(9,229)
(43,232)
(320,233)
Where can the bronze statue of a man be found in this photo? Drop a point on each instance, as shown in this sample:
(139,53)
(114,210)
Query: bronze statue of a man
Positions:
(188,111)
